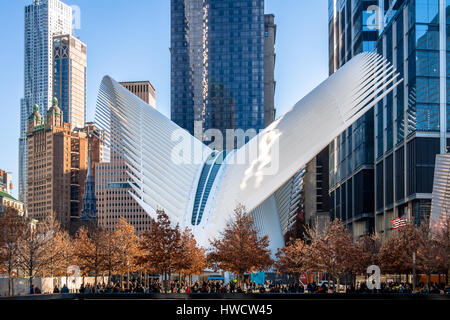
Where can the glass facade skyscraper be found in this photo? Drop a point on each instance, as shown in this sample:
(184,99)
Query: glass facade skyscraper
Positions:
(411,123)
(217,64)
(69,78)
(352,30)
(382,166)
(43,20)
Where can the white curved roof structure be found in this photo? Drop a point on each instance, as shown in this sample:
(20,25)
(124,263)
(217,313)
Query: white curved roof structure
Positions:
(143,136)
(170,169)
(440,204)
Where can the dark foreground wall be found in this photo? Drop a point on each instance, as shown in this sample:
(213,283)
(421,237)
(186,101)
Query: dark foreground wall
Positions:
(233,296)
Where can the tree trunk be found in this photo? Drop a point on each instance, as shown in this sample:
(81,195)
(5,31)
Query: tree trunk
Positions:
(30,273)
(10,291)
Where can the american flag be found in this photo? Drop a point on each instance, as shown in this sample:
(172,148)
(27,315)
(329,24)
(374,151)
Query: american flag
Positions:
(400,222)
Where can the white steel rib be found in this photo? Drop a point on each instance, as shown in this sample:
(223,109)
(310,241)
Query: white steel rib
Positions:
(147,140)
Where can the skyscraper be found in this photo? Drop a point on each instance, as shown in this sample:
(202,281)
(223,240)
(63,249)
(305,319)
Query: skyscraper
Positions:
(58,165)
(69,83)
(382,166)
(113,199)
(352,30)
(49,174)
(43,20)
(217,65)
(270,35)
(412,124)
(143,90)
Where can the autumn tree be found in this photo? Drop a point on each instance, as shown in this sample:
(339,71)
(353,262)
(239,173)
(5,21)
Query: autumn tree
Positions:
(192,259)
(52,257)
(427,251)
(160,247)
(334,252)
(239,248)
(89,250)
(11,229)
(35,247)
(64,252)
(294,258)
(396,253)
(126,248)
(110,261)
(370,246)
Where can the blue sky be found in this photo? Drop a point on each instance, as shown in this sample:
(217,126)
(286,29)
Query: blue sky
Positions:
(130,40)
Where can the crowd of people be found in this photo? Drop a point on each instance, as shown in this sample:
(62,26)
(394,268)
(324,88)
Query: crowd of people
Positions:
(404,287)
(385,288)
(209,286)
(218,287)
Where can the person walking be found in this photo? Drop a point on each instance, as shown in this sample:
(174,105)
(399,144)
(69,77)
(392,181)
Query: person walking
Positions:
(64,289)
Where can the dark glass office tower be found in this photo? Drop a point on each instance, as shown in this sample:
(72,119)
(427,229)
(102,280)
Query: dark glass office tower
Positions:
(69,78)
(352,29)
(382,167)
(217,64)
(412,123)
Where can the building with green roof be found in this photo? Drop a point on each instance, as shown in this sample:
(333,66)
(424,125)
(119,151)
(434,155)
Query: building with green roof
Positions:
(8,201)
